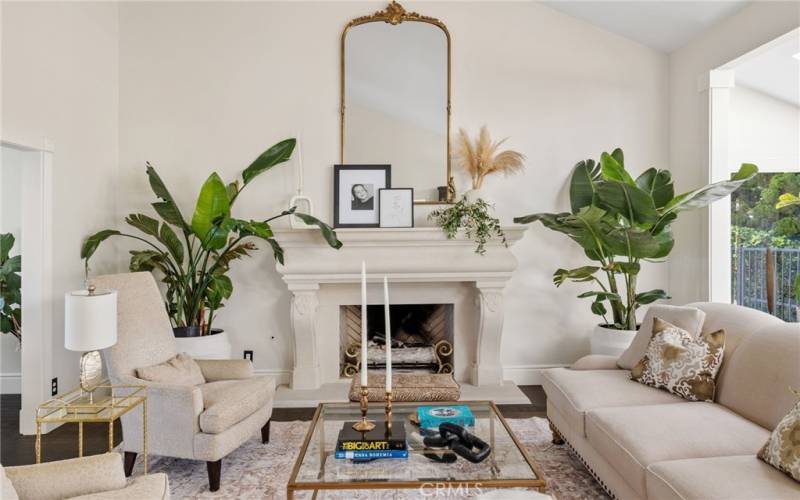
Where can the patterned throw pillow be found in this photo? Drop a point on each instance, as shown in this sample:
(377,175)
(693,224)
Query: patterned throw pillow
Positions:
(677,361)
(782,450)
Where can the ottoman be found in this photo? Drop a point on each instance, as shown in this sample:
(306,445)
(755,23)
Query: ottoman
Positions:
(412,387)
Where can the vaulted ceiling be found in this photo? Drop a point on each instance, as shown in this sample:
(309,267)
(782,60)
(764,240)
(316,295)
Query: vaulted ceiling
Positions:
(662,25)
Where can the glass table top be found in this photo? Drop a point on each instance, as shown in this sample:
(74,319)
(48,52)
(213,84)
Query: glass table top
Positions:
(107,403)
(507,465)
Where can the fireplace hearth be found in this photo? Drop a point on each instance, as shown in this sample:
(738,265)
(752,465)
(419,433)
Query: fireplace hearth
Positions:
(422,338)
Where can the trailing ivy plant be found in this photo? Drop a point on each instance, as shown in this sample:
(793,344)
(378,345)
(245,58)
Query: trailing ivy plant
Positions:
(10,288)
(474,218)
(193,257)
(619,222)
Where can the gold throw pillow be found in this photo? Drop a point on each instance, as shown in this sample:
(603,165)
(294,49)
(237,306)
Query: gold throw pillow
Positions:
(782,449)
(680,363)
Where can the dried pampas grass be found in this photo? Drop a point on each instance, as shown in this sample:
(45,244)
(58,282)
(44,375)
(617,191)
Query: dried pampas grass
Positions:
(479,158)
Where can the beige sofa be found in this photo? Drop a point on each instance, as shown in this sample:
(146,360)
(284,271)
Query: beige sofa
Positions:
(97,477)
(641,442)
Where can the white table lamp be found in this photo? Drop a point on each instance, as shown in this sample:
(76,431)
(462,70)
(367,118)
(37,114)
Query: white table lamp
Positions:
(90,324)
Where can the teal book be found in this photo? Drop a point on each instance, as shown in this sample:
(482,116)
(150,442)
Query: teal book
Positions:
(431,416)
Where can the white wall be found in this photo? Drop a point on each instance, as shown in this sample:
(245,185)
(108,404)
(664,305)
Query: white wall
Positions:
(59,81)
(209,86)
(764,130)
(752,27)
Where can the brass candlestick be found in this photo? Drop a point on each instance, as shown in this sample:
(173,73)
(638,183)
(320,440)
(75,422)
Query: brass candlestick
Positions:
(388,412)
(364,425)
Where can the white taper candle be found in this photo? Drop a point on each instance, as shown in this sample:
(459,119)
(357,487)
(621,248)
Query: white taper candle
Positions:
(363,324)
(388,335)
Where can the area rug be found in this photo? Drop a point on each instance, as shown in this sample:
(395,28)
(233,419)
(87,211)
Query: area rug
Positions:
(257,471)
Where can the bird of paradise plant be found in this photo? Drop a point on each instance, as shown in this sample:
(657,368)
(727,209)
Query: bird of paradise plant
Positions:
(619,222)
(193,257)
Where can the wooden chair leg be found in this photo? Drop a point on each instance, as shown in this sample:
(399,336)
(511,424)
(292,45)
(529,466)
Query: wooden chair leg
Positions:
(557,437)
(214,474)
(130,459)
(265,432)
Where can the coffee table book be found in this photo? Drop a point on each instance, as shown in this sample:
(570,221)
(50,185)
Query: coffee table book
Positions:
(377,443)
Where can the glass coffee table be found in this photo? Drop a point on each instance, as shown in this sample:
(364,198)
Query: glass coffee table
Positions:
(316,468)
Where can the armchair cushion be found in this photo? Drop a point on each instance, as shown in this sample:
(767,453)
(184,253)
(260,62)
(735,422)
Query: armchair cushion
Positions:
(225,369)
(150,487)
(228,402)
(68,478)
(180,369)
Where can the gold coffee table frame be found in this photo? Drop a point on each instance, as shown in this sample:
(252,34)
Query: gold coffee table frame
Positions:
(294,485)
(109,403)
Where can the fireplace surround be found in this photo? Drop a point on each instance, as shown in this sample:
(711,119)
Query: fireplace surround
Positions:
(423,267)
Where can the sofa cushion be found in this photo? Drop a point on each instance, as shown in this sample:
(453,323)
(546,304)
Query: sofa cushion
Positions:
(228,402)
(149,487)
(755,379)
(180,369)
(681,363)
(68,478)
(737,321)
(574,392)
(595,362)
(7,491)
(742,477)
(688,318)
(632,438)
(782,450)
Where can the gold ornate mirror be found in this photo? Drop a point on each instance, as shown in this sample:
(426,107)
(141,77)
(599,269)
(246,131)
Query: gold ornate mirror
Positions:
(395,101)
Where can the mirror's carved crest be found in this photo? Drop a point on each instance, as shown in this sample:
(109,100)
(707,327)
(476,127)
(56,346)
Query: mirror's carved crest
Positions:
(394,14)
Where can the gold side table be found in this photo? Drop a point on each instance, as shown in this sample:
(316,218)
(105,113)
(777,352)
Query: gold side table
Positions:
(107,404)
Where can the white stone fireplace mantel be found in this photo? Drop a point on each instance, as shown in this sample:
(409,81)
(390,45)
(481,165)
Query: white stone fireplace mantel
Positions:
(422,265)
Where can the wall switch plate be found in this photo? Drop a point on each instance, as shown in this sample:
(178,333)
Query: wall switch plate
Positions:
(248,355)
(54,386)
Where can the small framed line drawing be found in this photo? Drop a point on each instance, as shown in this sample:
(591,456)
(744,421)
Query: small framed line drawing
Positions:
(396,207)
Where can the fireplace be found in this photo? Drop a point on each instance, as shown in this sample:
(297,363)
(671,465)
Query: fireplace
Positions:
(422,338)
(423,266)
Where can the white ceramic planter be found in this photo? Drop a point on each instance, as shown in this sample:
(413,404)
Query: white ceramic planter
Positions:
(474,194)
(207,346)
(611,342)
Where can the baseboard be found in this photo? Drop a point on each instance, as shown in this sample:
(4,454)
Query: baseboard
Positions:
(282,377)
(10,383)
(526,374)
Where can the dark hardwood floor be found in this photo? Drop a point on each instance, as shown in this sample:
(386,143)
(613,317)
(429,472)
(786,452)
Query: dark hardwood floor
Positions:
(61,443)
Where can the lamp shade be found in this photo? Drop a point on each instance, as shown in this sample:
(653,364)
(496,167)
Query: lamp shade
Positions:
(90,320)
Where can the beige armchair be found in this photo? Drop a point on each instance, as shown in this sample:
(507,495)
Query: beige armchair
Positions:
(204,422)
(97,477)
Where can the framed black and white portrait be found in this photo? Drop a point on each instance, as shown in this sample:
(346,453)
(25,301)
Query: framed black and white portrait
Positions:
(355,194)
(396,207)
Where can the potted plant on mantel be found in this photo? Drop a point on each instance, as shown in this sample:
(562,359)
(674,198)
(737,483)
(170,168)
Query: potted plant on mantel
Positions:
(619,222)
(194,266)
(479,158)
(10,288)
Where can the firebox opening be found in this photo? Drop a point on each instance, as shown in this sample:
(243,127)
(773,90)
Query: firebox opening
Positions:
(422,338)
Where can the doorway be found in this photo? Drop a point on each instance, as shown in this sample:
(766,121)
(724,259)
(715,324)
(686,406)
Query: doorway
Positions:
(25,212)
(755,118)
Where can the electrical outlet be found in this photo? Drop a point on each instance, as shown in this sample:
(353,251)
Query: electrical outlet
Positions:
(54,386)
(248,355)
